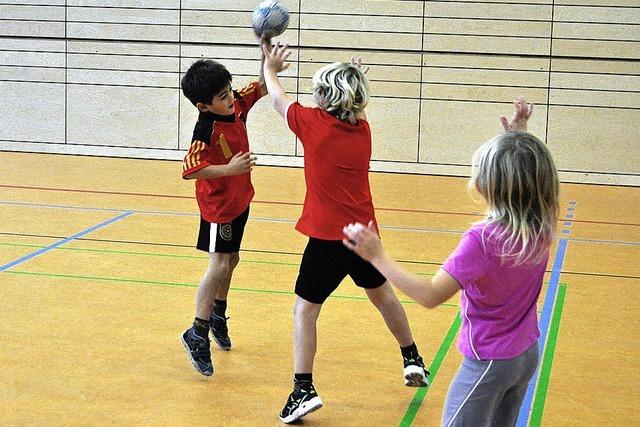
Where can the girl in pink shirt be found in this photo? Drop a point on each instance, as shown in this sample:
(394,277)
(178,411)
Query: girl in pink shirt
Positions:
(498,267)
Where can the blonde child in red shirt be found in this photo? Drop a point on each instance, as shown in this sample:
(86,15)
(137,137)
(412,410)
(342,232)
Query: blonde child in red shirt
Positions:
(337,151)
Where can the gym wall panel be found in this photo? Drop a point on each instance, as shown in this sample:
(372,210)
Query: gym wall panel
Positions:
(441,74)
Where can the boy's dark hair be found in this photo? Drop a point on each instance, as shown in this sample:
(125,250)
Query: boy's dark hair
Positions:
(203,80)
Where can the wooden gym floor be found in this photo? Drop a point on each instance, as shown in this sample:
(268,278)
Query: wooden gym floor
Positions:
(98,275)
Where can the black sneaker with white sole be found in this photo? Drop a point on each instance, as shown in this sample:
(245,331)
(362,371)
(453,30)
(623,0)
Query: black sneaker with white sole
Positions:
(220,331)
(198,349)
(415,375)
(300,403)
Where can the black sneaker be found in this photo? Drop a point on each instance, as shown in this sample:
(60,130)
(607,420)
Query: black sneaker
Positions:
(415,375)
(198,350)
(300,404)
(220,331)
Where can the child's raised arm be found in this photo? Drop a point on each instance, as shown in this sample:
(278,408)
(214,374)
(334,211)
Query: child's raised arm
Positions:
(427,292)
(520,116)
(274,62)
(263,85)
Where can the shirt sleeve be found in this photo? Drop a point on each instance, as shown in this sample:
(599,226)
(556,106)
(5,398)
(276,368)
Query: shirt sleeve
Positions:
(249,95)
(296,116)
(195,159)
(468,262)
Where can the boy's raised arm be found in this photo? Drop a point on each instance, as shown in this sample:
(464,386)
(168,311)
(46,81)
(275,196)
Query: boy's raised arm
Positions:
(263,85)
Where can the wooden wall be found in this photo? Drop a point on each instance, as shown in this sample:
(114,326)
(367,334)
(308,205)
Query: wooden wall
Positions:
(102,77)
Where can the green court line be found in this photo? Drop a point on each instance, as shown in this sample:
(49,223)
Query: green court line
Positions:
(547,360)
(421,393)
(188,285)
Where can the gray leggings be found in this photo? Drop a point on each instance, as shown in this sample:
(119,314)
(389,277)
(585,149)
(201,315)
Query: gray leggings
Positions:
(489,392)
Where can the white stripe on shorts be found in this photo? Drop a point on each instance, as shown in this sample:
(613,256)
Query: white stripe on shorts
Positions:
(213,235)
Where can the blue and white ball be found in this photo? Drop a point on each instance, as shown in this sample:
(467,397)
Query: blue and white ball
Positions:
(270,19)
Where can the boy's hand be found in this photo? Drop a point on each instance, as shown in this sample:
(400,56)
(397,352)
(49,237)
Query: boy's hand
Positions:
(363,240)
(357,62)
(275,57)
(264,40)
(241,163)
(520,116)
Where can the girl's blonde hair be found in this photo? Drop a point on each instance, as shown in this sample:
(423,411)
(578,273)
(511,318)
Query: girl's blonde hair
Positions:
(342,90)
(515,174)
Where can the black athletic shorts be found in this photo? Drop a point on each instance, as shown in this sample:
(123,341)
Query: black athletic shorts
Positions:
(222,238)
(326,263)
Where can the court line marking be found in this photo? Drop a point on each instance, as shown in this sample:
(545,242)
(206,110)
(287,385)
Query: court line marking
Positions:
(270,202)
(547,361)
(286,220)
(189,285)
(434,367)
(544,322)
(54,245)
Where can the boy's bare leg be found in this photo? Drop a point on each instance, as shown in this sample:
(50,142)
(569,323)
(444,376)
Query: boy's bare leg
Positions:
(392,312)
(218,319)
(386,301)
(223,290)
(305,315)
(217,273)
(196,338)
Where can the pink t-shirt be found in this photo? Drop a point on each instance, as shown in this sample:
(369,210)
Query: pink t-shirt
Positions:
(498,298)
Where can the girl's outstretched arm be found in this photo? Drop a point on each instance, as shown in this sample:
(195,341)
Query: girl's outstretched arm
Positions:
(274,62)
(427,292)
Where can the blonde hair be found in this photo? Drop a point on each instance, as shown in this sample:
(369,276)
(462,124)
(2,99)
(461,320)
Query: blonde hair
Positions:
(342,90)
(515,174)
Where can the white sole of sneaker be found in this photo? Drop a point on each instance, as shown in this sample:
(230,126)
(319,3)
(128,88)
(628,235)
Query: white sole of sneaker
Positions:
(414,376)
(304,409)
(193,362)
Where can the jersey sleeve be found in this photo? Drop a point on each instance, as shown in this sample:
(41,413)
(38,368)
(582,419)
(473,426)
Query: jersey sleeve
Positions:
(469,261)
(249,95)
(195,159)
(298,121)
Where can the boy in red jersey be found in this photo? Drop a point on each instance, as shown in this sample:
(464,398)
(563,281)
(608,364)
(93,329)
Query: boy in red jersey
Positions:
(337,150)
(220,161)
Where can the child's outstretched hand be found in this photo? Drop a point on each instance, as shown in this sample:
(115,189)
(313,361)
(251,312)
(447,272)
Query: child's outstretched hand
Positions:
(241,163)
(357,62)
(275,57)
(363,240)
(520,116)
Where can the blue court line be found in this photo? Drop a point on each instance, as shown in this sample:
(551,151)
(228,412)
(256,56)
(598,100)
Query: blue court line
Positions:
(63,241)
(544,322)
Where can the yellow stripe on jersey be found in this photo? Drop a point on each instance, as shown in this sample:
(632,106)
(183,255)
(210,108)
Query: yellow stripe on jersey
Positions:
(192,159)
(226,151)
(247,89)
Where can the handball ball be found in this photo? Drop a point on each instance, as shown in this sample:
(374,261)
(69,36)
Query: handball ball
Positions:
(270,19)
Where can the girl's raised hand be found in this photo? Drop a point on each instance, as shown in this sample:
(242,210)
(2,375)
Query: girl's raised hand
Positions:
(357,62)
(520,116)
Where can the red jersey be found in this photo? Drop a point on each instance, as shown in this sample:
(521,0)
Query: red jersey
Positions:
(336,171)
(216,139)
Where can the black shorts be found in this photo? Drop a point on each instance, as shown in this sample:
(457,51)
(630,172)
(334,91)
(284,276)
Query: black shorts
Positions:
(326,263)
(222,238)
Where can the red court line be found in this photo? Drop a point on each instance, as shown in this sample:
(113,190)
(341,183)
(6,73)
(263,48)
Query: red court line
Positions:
(273,202)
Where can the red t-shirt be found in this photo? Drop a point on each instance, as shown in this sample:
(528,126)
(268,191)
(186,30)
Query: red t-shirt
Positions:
(336,171)
(216,139)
